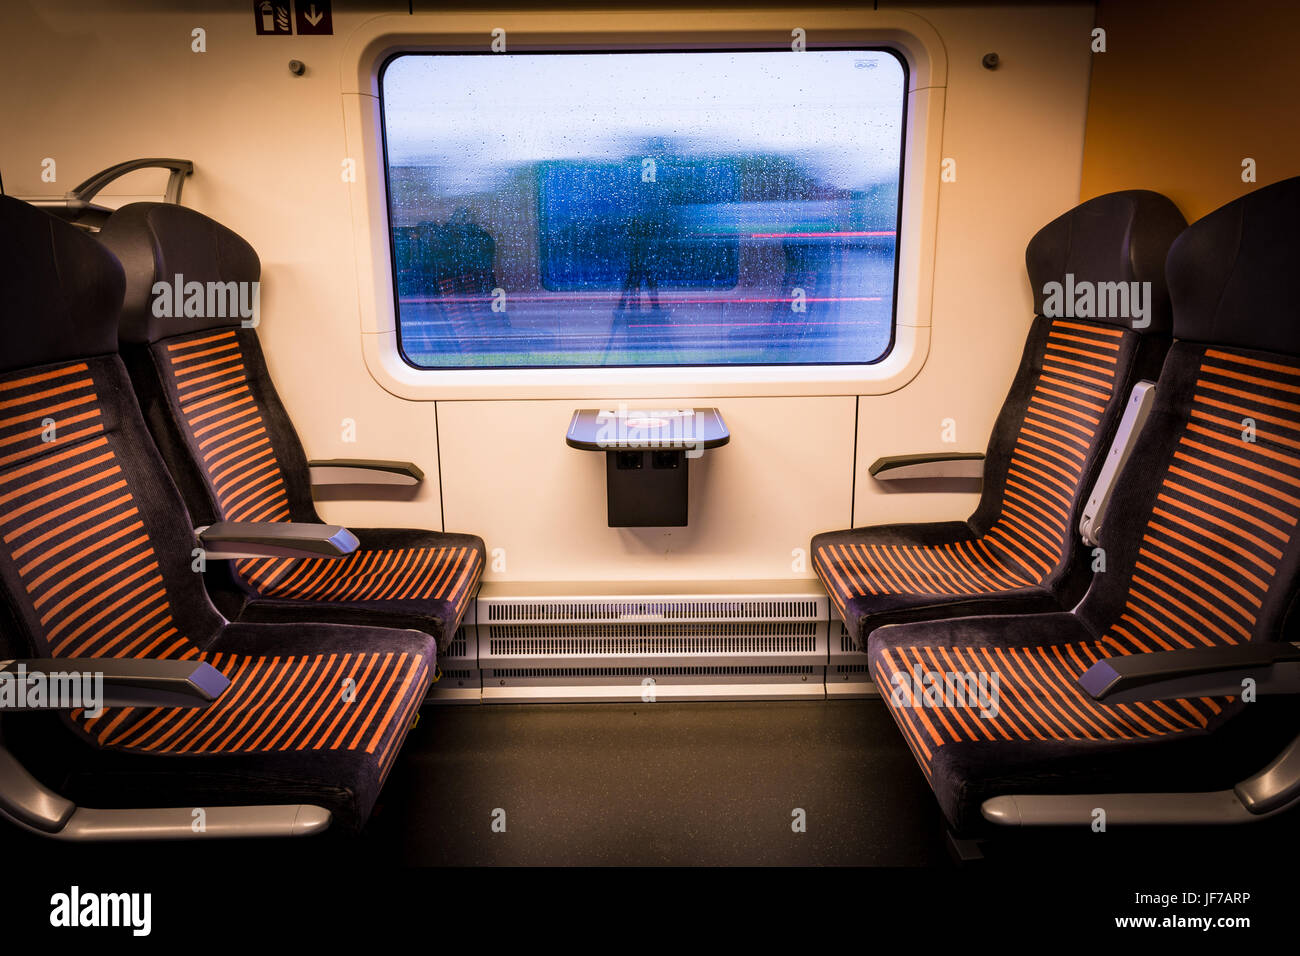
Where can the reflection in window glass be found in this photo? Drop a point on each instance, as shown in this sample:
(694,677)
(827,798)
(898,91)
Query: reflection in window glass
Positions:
(625,209)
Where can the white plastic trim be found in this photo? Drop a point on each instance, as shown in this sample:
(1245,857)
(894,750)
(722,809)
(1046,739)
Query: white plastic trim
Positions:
(373,41)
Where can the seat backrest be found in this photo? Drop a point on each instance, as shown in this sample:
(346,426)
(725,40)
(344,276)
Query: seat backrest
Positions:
(1079,363)
(95,555)
(189,338)
(1201,541)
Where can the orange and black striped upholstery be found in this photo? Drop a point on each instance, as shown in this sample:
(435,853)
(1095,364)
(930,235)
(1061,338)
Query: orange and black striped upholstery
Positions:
(1018,552)
(71,523)
(95,562)
(1202,539)
(284,702)
(399,574)
(226,437)
(225,422)
(1221,525)
(225,418)
(1081,366)
(80,549)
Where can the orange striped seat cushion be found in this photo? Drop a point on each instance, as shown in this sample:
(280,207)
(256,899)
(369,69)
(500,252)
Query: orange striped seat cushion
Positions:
(1036,697)
(359,702)
(1222,519)
(1028,539)
(369,574)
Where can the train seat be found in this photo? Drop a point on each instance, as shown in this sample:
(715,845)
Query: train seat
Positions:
(1166,676)
(203,383)
(1018,552)
(268,729)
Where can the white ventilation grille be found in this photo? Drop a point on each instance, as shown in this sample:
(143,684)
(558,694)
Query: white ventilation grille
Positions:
(572,644)
(515,611)
(849,673)
(847,646)
(459,646)
(635,640)
(461,681)
(843,650)
(514,673)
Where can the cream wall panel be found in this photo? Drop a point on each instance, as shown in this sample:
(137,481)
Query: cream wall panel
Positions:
(786,472)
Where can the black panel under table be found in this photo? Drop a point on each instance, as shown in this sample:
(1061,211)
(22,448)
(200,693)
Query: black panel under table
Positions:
(647,489)
(647,452)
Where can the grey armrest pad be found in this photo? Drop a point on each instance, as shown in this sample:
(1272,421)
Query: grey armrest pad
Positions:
(1197,672)
(364,471)
(276,539)
(117,682)
(929,465)
(1136,410)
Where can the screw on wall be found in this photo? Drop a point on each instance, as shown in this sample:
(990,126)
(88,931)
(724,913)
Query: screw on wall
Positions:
(991,61)
(297,67)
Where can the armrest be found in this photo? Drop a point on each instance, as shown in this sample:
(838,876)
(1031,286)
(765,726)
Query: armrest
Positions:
(1198,672)
(956,464)
(364,471)
(1136,412)
(275,539)
(69,683)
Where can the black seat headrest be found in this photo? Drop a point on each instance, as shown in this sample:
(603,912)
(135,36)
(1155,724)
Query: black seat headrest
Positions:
(61,291)
(1118,237)
(1230,273)
(157,242)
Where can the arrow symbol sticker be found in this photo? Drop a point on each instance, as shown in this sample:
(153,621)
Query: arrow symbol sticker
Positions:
(314,18)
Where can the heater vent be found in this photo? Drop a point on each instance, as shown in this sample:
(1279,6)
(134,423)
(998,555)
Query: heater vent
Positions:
(746,609)
(531,672)
(846,639)
(459,646)
(626,640)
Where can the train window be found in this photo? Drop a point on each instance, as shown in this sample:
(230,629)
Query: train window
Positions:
(644,208)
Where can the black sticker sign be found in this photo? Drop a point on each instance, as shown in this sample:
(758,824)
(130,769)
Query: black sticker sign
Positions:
(315,19)
(272,17)
(286,17)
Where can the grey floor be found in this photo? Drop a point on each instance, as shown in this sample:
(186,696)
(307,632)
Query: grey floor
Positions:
(670,783)
(653,784)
